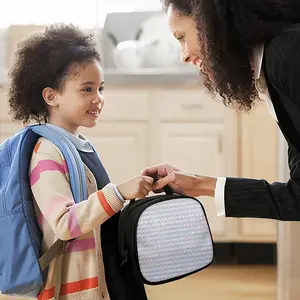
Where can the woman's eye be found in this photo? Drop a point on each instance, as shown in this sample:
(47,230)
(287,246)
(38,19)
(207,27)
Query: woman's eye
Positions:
(87,90)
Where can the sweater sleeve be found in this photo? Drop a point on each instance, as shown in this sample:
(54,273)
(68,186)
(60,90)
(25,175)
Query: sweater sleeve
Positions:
(49,180)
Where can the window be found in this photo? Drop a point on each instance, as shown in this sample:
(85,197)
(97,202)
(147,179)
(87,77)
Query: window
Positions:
(86,13)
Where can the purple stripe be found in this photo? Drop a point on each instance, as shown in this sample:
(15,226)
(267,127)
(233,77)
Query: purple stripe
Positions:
(81,245)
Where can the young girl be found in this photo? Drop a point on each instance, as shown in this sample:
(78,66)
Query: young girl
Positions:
(56,78)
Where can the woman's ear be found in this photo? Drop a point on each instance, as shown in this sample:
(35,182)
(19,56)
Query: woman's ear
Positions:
(49,96)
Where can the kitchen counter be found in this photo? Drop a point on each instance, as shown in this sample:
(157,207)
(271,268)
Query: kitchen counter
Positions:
(158,77)
(153,76)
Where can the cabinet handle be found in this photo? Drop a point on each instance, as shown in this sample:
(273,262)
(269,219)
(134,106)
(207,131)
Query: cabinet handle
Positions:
(220,144)
(192,106)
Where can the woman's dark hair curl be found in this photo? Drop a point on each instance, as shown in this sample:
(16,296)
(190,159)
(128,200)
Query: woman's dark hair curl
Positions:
(228,31)
(42,60)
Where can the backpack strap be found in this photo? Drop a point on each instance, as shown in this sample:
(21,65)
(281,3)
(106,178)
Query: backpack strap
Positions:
(50,254)
(78,187)
(56,250)
(72,157)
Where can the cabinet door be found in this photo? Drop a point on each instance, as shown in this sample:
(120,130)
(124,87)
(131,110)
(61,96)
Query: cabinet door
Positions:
(4,108)
(122,148)
(258,160)
(8,129)
(198,148)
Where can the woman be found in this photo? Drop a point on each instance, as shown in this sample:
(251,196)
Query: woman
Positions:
(245,49)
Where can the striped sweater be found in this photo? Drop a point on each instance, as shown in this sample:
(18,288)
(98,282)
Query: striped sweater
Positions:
(59,217)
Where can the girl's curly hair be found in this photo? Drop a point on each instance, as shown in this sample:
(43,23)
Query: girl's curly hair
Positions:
(228,30)
(43,59)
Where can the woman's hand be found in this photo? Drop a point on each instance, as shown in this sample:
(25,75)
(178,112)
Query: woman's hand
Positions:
(181,181)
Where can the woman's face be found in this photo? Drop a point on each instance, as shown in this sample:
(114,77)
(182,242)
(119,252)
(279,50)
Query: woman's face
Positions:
(185,31)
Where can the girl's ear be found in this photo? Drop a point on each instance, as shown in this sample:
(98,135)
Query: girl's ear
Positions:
(49,96)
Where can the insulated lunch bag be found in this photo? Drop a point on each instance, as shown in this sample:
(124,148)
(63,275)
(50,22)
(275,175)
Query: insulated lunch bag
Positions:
(165,237)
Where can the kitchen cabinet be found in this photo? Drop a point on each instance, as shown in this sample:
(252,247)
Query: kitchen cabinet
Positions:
(121,138)
(121,147)
(193,132)
(258,142)
(181,126)
(185,127)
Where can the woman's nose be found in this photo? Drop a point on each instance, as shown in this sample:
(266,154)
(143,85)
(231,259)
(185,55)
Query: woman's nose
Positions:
(186,57)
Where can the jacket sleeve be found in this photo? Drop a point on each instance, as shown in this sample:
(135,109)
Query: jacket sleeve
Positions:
(258,198)
(49,180)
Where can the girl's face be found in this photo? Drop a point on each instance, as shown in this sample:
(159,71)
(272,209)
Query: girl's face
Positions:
(82,98)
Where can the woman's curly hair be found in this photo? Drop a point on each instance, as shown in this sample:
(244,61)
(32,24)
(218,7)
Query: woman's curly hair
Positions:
(43,60)
(228,31)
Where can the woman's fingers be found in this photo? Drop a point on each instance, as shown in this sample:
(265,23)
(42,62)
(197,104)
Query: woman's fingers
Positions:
(150,171)
(160,170)
(160,183)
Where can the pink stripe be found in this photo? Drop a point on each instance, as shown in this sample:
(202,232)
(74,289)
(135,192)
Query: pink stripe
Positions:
(65,166)
(40,219)
(56,204)
(74,227)
(81,245)
(45,165)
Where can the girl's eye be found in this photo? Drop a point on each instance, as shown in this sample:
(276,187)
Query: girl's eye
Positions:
(87,90)
(101,89)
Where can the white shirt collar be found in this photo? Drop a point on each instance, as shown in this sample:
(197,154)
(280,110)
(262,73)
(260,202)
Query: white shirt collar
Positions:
(258,54)
(260,81)
(80,142)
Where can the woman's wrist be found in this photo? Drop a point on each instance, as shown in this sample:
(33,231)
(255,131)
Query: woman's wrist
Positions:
(206,185)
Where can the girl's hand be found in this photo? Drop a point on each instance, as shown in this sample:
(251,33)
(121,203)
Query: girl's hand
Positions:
(137,187)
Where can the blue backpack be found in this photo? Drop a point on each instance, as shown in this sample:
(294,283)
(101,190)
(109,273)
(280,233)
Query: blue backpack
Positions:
(21,264)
